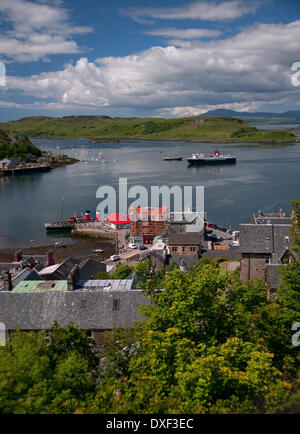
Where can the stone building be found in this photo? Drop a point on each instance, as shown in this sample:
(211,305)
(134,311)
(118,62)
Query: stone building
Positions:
(94,306)
(264,245)
(183,243)
(147,223)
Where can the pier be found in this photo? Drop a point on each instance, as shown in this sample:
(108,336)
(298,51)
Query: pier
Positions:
(94,230)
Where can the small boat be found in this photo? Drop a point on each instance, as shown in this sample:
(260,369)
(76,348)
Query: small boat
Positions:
(61,225)
(98,251)
(59,244)
(215,158)
(168,158)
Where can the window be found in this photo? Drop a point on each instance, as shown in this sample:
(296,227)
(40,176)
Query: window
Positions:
(116,304)
(183,249)
(193,249)
(174,249)
(268,260)
(82,304)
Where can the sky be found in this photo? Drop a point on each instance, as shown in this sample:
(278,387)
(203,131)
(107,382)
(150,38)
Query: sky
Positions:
(159,58)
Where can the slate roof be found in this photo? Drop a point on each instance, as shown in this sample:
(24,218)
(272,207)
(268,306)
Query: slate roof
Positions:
(187,259)
(191,239)
(256,238)
(24,275)
(89,268)
(59,271)
(89,311)
(233,253)
(273,275)
(32,259)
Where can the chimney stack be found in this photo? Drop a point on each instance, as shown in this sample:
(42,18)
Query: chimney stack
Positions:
(87,215)
(7,281)
(73,278)
(50,258)
(18,256)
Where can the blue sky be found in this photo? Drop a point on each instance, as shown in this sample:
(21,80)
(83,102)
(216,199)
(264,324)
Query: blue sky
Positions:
(164,58)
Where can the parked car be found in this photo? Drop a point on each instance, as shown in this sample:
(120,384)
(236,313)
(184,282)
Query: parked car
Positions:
(115,258)
(209,231)
(214,237)
(235,243)
(132,246)
(142,248)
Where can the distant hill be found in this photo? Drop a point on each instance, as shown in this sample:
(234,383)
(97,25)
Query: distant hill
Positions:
(292,115)
(215,129)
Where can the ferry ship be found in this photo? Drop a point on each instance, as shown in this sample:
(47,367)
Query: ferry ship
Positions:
(215,158)
(59,226)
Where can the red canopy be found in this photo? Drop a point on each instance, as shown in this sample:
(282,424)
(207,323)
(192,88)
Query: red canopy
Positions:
(118,219)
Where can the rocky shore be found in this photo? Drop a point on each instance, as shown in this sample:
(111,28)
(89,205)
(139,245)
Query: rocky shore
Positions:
(78,248)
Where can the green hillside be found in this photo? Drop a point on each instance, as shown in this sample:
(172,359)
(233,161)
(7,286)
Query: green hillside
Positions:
(210,128)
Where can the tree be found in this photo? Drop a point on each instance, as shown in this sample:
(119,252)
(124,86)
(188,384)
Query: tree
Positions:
(102,275)
(122,272)
(47,372)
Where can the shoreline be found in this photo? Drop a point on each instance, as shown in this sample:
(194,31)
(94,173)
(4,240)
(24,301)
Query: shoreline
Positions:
(137,139)
(80,248)
(66,163)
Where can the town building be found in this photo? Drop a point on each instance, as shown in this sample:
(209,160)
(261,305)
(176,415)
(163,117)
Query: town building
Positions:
(183,243)
(10,163)
(94,306)
(265,243)
(25,267)
(88,268)
(147,223)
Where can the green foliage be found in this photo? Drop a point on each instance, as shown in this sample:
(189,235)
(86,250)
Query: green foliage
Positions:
(209,344)
(47,373)
(102,275)
(122,272)
(20,147)
(212,128)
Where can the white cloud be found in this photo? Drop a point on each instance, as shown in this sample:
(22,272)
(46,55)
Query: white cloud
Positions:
(185,33)
(198,10)
(35,30)
(251,69)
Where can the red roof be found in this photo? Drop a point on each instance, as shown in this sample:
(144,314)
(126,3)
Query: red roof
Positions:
(118,219)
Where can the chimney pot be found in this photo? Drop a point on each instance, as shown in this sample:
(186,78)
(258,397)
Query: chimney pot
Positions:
(50,258)
(18,256)
(73,278)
